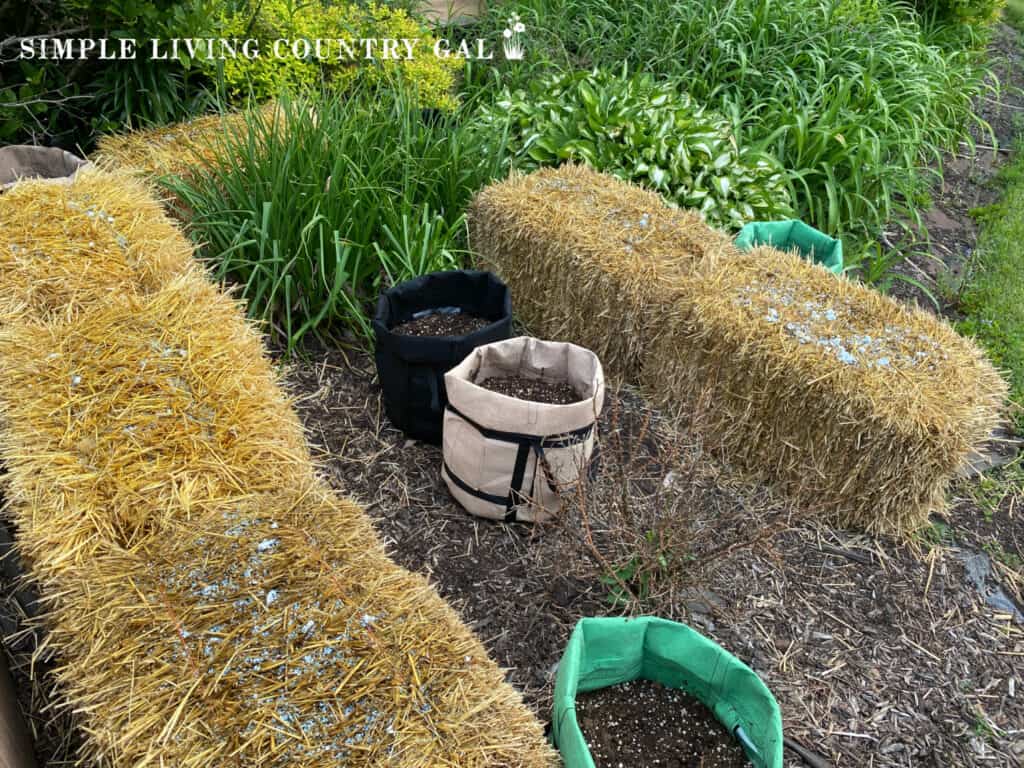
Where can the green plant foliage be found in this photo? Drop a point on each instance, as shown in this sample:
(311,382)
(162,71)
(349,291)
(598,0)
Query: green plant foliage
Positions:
(69,102)
(645,131)
(313,210)
(993,294)
(964,11)
(1014,14)
(267,75)
(854,102)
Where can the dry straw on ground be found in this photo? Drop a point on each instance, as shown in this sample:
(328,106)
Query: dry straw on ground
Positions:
(861,408)
(173,149)
(210,602)
(65,246)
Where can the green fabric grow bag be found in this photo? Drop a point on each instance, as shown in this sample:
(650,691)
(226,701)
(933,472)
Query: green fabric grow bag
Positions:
(792,233)
(607,651)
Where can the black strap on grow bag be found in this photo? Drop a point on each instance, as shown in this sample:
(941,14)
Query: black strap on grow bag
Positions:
(526,443)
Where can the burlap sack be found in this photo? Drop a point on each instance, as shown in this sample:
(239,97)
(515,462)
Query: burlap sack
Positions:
(23,161)
(511,459)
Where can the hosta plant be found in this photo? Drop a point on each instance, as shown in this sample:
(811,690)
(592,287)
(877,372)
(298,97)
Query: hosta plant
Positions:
(645,131)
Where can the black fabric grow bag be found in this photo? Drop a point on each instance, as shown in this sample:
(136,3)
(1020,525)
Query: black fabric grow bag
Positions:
(411,369)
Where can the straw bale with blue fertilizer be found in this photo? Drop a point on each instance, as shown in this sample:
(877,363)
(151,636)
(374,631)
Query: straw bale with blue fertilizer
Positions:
(590,259)
(856,405)
(210,601)
(63,247)
(175,149)
(274,631)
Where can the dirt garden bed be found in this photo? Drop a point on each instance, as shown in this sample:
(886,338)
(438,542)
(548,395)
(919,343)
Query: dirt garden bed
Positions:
(879,653)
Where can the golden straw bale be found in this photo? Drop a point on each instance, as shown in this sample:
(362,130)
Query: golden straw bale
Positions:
(174,149)
(275,632)
(64,246)
(856,405)
(210,602)
(590,259)
(140,407)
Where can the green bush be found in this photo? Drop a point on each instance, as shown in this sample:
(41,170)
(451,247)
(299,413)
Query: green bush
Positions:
(269,20)
(313,209)
(645,131)
(69,102)
(964,11)
(854,103)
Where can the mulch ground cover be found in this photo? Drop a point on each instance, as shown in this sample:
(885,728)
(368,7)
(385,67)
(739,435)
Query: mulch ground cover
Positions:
(535,390)
(642,723)
(880,653)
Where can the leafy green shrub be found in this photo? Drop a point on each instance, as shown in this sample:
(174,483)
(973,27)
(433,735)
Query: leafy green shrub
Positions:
(69,102)
(313,208)
(645,131)
(270,20)
(853,108)
(964,11)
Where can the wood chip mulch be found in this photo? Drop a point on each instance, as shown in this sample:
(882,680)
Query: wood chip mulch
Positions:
(879,653)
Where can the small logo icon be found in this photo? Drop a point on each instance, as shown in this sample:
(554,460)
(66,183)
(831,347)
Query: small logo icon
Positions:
(513,43)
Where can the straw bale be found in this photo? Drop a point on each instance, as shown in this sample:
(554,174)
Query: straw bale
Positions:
(174,149)
(589,258)
(210,601)
(276,632)
(140,407)
(66,246)
(856,405)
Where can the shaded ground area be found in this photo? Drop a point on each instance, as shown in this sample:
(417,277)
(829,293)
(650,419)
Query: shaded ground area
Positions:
(879,653)
(942,263)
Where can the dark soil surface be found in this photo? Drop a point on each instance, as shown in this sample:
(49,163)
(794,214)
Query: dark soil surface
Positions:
(442,324)
(880,653)
(643,724)
(536,390)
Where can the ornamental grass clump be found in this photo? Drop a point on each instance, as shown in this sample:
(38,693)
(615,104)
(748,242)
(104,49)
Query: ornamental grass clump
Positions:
(315,208)
(851,402)
(646,131)
(67,246)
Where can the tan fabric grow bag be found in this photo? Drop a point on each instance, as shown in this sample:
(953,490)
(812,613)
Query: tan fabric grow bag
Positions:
(24,161)
(510,459)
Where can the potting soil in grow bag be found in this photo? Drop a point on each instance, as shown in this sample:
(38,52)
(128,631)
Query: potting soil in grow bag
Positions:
(469,307)
(604,652)
(644,723)
(512,442)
